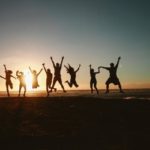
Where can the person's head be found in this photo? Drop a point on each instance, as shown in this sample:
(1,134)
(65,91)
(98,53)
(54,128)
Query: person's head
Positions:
(111,65)
(34,71)
(21,73)
(9,71)
(48,70)
(57,64)
(71,69)
(92,70)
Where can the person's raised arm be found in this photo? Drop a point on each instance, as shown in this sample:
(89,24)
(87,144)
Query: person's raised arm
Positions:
(78,68)
(118,62)
(90,66)
(107,68)
(44,66)
(13,77)
(17,73)
(2,77)
(40,71)
(98,71)
(61,61)
(66,67)
(52,61)
(5,67)
(30,69)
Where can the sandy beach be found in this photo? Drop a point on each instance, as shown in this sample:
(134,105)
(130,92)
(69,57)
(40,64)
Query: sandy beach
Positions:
(76,120)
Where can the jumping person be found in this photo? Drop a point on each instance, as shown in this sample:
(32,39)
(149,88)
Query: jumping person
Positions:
(22,84)
(113,76)
(93,80)
(49,77)
(8,74)
(57,73)
(72,73)
(35,75)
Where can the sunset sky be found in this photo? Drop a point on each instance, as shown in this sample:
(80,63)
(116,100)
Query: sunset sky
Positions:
(83,31)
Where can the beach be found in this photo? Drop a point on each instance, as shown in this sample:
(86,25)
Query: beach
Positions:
(77,120)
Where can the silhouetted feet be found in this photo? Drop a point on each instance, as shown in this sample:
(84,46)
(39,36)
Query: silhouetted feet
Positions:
(121,91)
(106,92)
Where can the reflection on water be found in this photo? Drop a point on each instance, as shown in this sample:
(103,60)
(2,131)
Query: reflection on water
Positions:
(129,97)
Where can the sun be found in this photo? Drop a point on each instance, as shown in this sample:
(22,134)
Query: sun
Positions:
(28,80)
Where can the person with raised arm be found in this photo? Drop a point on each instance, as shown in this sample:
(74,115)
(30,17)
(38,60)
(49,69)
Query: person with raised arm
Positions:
(8,76)
(113,76)
(72,73)
(57,73)
(22,84)
(49,77)
(35,75)
(93,81)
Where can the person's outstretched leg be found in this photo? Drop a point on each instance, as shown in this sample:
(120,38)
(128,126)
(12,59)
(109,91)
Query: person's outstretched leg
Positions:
(75,84)
(119,85)
(24,91)
(95,86)
(91,86)
(107,88)
(7,89)
(70,85)
(54,81)
(60,82)
(19,90)
(47,87)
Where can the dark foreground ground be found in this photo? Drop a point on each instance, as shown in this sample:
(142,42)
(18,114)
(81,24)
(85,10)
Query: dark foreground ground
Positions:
(74,123)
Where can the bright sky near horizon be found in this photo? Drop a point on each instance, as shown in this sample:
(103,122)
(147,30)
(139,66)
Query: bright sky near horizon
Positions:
(83,31)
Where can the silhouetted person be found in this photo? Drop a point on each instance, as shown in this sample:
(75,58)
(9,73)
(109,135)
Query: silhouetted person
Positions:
(22,84)
(35,75)
(113,76)
(8,74)
(49,77)
(93,81)
(72,73)
(57,73)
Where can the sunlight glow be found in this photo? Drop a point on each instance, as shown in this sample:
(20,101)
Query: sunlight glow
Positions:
(28,79)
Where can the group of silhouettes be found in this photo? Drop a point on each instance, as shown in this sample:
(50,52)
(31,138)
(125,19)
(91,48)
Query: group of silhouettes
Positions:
(51,81)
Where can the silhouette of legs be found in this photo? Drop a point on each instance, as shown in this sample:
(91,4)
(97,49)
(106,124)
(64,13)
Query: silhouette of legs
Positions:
(7,89)
(19,91)
(119,85)
(71,83)
(91,86)
(114,81)
(95,86)
(60,82)
(20,87)
(107,88)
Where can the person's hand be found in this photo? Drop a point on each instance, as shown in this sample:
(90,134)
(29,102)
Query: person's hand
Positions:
(79,65)
(63,57)
(119,57)
(90,65)
(43,64)
(51,57)
(4,65)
